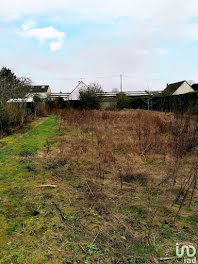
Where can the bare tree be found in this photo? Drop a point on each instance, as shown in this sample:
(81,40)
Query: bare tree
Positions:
(11,86)
(191,82)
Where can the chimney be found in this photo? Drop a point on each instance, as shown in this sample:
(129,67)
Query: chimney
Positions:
(167,85)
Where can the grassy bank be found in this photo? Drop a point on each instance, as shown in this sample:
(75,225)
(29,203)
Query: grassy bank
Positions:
(19,176)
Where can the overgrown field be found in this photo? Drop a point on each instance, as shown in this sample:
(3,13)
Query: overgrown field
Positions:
(121,188)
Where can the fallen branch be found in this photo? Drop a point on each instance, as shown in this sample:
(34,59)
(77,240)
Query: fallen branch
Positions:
(169,258)
(89,188)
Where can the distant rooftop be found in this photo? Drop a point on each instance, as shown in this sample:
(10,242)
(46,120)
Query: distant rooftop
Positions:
(38,88)
(195,86)
(171,88)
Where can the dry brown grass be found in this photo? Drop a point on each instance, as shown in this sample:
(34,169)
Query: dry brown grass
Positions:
(129,167)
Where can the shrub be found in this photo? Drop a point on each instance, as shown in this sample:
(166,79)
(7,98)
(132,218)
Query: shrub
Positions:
(123,101)
(59,102)
(11,116)
(88,97)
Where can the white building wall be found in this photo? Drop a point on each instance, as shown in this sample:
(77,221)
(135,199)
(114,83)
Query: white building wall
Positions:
(183,89)
(74,95)
(49,91)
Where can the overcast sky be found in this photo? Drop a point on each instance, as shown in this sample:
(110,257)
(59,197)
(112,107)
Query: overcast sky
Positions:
(60,42)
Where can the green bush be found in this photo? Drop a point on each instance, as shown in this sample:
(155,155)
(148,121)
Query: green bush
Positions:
(88,97)
(123,101)
(59,102)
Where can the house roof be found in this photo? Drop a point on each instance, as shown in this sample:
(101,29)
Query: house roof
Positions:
(195,86)
(79,84)
(38,88)
(127,93)
(171,88)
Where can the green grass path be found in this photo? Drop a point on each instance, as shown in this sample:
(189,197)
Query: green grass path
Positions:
(19,174)
(5,141)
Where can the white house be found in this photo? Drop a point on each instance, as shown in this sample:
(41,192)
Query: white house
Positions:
(42,91)
(74,95)
(178,88)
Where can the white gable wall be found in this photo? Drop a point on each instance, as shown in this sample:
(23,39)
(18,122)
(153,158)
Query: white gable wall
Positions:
(74,95)
(183,89)
(49,91)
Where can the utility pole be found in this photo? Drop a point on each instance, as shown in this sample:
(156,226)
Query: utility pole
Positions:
(121,83)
